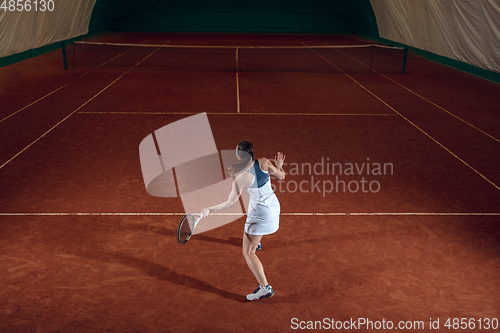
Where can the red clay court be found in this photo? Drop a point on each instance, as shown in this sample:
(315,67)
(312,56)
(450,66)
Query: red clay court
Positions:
(84,248)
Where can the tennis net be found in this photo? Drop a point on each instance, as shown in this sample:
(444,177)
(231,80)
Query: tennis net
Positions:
(316,59)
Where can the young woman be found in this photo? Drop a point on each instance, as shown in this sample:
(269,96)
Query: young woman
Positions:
(263,209)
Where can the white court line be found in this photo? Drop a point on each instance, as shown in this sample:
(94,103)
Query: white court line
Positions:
(411,123)
(104,63)
(76,110)
(242,214)
(38,100)
(422,97)
(60,122)
(237,94)
(443,109)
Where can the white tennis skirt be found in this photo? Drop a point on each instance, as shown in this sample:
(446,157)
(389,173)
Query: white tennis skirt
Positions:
(263,218)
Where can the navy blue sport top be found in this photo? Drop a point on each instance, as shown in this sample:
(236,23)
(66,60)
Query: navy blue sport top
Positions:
(262,177)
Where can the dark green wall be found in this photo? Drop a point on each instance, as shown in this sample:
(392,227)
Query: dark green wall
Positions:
(275,16)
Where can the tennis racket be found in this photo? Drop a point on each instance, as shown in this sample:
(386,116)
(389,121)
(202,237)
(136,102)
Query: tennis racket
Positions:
(186,227)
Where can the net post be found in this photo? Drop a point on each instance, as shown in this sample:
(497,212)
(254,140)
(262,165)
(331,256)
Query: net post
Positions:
(371,60)
(65,59)
(403,70)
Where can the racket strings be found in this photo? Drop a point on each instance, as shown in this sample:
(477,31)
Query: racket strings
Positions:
(185,229)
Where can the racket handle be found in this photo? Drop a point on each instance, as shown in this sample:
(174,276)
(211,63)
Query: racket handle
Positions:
(196,222)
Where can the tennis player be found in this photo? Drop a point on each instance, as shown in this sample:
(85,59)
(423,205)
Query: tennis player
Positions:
(263,209)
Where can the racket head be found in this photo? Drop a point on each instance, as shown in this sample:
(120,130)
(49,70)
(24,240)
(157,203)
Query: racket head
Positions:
(186,228)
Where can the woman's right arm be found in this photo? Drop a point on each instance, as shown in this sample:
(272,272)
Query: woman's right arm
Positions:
(239,184)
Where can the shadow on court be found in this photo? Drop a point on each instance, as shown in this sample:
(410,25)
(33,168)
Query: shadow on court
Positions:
(160,272)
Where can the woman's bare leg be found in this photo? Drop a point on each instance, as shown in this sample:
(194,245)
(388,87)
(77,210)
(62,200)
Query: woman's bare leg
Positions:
(250,243)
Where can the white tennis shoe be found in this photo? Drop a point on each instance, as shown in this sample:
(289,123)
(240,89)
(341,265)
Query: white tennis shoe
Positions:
(261,292)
